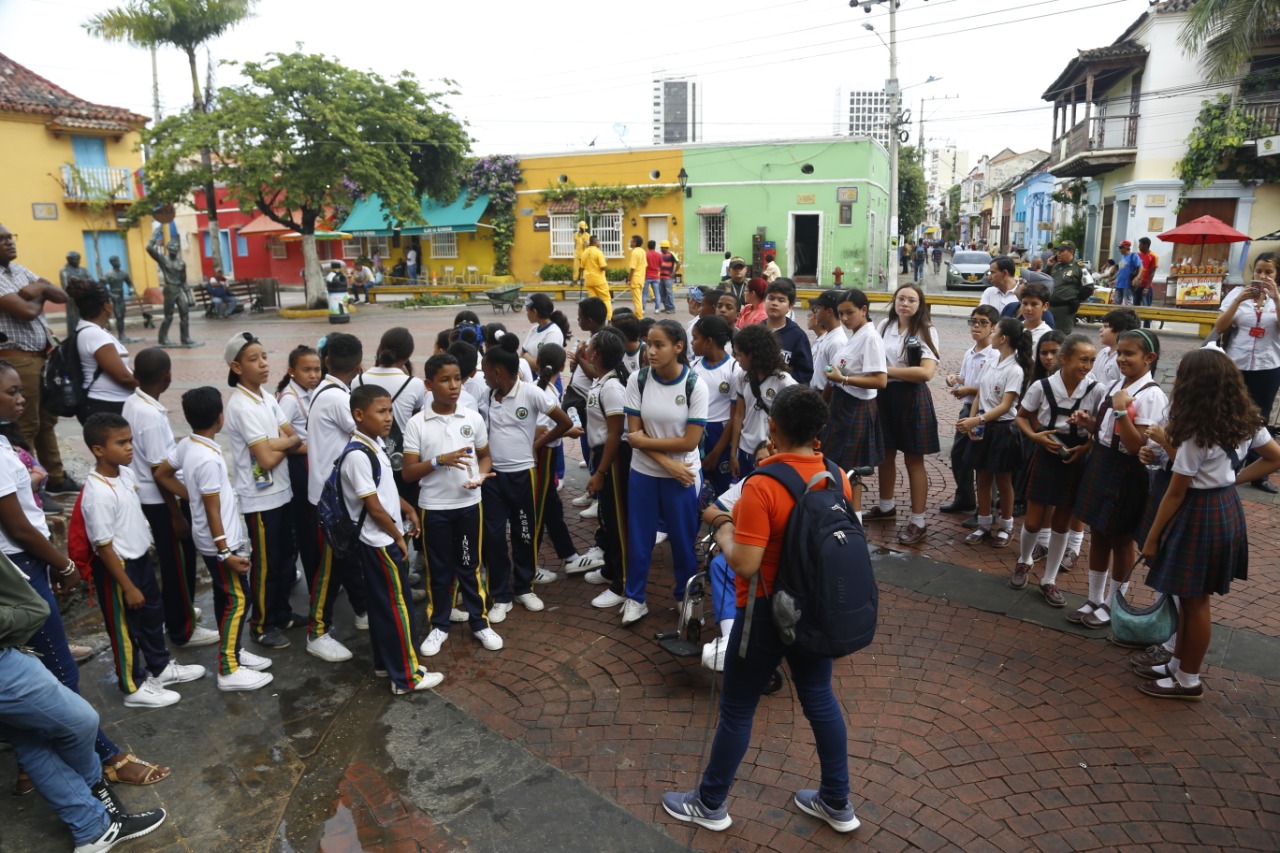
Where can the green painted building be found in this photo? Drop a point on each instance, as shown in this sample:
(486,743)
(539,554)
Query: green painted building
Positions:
(821,204)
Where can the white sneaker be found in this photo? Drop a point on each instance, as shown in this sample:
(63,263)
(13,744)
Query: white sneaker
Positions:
(176,673)
(582,464)
(488,638)
(151,694)
(426,681)
(498,612)
(201,636)
(326,647)
(456,615)
(433,643)
(531,602)
(560,486)
(418,595)
(607,599)
(196,611)
(583,499)
(362,622)
(633,611)
(595,576)
(244,679)
(414,578)
(248,660)
(660,538)
(544,576)
(592,511)
(594,558)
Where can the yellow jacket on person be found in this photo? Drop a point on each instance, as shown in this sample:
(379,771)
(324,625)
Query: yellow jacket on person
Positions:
(637,264)
(593,265)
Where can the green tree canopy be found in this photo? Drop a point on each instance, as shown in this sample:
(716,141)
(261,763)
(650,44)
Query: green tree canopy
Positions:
(913,189)
(305,133)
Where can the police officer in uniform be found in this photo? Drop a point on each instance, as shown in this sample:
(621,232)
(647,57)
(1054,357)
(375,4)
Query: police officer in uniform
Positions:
(1069,287)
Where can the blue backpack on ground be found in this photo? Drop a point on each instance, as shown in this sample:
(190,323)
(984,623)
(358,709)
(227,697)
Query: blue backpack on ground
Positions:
(340,531)
(824,599)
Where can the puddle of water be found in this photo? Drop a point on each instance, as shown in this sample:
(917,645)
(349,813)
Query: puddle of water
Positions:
(339,833)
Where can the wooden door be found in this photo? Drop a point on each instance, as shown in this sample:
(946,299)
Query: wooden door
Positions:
(1104,238)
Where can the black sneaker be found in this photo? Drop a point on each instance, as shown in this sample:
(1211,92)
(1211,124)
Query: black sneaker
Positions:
(123,828)
(103,794)
(272,638)
(66,486)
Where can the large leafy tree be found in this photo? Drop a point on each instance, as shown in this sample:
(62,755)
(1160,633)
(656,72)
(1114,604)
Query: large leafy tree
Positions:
(186,25)
(306,133)
(913,189)
(1224,33)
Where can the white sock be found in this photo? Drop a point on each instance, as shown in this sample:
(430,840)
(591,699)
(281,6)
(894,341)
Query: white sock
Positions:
(1171,643)
(1174,665)
(886,505)
(726,625)
(1006,523)
(1028,544)
(917,520)
(1097,586)
(984,522)
(1042,538)
(1053,561)
(1124,588)
(1075,541)
(1187,679)
(1162,670)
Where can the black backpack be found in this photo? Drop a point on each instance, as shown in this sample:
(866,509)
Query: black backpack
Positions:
(824,598)
(340,530)
(62,388)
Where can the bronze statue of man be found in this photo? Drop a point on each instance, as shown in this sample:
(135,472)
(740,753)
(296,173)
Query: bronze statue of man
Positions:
(119,282)
(72,271)
(173,271)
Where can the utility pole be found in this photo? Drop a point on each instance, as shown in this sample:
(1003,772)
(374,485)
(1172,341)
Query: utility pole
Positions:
(895,107)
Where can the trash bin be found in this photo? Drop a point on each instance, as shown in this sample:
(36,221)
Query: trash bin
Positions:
(338,309)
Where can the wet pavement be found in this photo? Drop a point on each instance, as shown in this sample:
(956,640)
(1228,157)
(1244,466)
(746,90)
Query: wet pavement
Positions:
(978,719)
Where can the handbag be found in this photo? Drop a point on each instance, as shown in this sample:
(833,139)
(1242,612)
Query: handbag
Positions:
(1146,626)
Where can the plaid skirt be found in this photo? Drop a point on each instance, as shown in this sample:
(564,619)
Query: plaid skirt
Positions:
(1204,547)
(1052,482)
(907,420)
(852,436)
(1112,495)
(998,451)
(1158,480)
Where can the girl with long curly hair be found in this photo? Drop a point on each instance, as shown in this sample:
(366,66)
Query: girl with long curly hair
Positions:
(1197,543)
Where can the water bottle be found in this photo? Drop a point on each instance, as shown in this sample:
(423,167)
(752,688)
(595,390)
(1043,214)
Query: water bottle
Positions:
(981,428)
(573,416)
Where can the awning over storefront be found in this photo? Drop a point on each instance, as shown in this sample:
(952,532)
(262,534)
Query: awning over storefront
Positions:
(368,219)
(294,236)
(711,211)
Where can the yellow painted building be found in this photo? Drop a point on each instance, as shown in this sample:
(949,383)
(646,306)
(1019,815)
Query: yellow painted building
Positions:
(544,229)
(62,150)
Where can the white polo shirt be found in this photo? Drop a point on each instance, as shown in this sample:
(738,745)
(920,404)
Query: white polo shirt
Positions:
(825,350)
(1248,352)
(862,355)
(295,401)
(113,514)
(252,419)
(329,427)
(152,442)
(512,423)
(15,479)
(895,351)
(411,399)
(997,298)
(358,484)
(722,386)
(205,473)
(1105,369)
(539,335)
(429,435)
(755,422)
(1001,376)
(90,337)
(1210,467)
(1150,407)
(971,366)
(1037,333)
(606,398)
(666,414)
(1037,402)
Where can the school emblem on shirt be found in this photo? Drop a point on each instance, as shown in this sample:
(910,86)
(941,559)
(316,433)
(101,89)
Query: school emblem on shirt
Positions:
(769,393)
(724,387)
(680,400)
(591,399)
(522,413)
(467,431)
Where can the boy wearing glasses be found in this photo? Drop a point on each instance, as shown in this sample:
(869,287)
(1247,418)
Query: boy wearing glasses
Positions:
(963,385)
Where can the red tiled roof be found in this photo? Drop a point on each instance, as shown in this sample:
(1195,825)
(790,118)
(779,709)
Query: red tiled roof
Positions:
(24,91)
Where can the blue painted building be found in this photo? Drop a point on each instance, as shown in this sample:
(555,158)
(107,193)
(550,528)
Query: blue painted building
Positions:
(1033,210)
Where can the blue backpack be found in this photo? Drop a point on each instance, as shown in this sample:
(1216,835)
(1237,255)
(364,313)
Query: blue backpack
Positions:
(824,599)
(339,530)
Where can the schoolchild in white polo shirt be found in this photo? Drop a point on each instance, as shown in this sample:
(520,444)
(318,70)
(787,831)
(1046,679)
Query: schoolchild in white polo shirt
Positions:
(294,396)
(372,497)
(446,451)
(261,440)
(329,427)
(514,407)
(169,517)
(123,576)
(393,372)
(219,533)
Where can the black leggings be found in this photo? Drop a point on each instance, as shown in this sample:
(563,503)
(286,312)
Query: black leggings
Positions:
(92,406)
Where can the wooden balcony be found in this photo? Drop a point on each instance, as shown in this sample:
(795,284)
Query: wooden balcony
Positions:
(1096,145)
(97,183)
(1265,114)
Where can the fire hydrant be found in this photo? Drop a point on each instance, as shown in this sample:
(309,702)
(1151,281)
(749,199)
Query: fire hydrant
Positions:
(839,274)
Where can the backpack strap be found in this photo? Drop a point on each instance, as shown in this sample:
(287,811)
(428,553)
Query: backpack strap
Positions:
(374,465)
(1106,404)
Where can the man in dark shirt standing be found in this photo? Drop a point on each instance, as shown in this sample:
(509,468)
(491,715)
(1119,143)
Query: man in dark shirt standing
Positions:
(1069,288)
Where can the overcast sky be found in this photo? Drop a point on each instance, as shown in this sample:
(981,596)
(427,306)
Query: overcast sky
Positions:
(551,76)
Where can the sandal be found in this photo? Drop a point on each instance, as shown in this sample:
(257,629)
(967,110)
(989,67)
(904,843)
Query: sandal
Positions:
(23,785)
(1000,537)
(131,770)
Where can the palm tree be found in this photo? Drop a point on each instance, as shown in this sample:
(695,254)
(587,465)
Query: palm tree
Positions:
(1224,33)
(186,25)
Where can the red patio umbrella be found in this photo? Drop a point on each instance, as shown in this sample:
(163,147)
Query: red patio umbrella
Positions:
(1206,229)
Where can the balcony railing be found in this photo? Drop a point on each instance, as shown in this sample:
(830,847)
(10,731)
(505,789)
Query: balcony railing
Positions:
(1265,115)
(1097,134)
(86,183)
